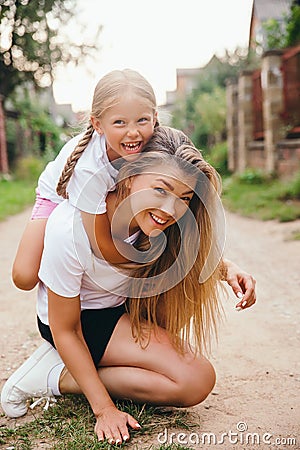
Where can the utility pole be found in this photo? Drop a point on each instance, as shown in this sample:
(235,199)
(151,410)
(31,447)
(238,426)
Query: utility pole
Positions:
(3,146)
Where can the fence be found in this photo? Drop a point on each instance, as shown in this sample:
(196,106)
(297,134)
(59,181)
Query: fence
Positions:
(263,123)
(257,101)
(291,89)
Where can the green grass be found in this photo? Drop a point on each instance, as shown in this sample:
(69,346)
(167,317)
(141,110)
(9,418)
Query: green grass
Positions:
(69,425)
(260,199)
(15,196)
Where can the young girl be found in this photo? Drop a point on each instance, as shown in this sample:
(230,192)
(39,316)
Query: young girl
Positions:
(152,352)
(123,118)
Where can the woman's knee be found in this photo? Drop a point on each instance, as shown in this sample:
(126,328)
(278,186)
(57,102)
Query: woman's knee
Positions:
(195,384)
(67,384)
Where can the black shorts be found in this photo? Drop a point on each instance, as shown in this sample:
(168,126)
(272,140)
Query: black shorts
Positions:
(97,328)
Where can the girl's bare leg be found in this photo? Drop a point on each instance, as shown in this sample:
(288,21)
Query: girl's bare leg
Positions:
(156,374)
(28,257)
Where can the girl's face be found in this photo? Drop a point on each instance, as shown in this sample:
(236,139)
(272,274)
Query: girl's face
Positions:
(158,199)
(127,126)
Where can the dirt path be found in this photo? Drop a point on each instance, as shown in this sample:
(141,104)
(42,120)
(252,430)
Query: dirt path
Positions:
(257,359)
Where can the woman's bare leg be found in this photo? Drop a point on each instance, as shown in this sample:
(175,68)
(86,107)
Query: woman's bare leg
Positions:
(28,257)
(156,374)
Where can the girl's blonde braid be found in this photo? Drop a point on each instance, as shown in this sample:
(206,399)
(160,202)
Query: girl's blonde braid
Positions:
(72,160)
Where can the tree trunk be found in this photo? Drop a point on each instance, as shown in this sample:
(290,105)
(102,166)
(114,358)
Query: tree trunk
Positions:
(3,146)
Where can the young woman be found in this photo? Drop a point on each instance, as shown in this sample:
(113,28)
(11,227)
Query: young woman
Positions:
(166,202)
(123,117)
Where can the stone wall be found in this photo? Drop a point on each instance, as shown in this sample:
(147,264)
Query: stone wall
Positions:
(273,154)
(288,162)
(256,155)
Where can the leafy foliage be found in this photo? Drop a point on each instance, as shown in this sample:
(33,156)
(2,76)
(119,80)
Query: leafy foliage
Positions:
(29,169)
(254,194)
(202,115)
(274,33)
(284,34)
(32,131)
(32,43)
(15,195)
(252,176)
(217,156)
(293,188)
(33,117)
(293,26)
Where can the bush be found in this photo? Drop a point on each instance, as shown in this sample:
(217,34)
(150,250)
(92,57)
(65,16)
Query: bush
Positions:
(252,176)
(218,158)
(293,189)
(259,195)
(29,168)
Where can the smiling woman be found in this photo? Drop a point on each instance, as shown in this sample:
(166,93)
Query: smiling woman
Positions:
(167,193)
(149,348)
(174,196)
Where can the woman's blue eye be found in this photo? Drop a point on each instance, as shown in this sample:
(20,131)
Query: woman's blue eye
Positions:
(160,190)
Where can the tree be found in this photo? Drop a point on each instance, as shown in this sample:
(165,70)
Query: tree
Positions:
(286,34)
(32,43)
(202,114)
(210,113)
(293,25)
(274,34)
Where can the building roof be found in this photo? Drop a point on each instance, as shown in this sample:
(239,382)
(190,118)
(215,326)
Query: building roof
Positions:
(188,72)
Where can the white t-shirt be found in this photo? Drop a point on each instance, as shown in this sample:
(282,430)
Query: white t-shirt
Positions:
(69,267)
(92,179)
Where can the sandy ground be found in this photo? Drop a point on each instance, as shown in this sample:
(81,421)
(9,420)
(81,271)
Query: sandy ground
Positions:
(255,403)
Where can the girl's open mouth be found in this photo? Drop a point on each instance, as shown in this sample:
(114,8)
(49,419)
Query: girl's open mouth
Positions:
(133,147)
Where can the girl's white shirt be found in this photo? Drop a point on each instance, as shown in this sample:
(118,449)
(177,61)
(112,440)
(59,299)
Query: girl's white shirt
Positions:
(92,179)
(69,267)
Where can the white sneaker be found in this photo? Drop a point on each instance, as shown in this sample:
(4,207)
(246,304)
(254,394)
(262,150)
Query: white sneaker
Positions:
(29,380)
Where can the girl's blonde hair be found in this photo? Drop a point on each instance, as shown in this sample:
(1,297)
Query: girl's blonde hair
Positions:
(107,93)
(189,309)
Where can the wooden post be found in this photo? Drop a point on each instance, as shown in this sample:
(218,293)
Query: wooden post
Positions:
(245,121)
(272,87)
(232,124)
(3,146)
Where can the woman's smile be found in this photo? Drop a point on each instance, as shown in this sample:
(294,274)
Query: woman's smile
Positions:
(157,219)
(157,200)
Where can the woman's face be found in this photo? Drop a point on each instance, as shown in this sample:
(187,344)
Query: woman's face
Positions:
(159,198)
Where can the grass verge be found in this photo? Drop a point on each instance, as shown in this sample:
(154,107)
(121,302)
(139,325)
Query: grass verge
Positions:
(15,196)
(69,425)
(262,199)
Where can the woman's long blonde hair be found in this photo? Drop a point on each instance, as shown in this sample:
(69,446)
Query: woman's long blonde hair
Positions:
(107,93)
(189,309)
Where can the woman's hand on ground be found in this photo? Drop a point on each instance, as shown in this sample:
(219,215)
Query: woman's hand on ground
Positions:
(112,425)
(242,284)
